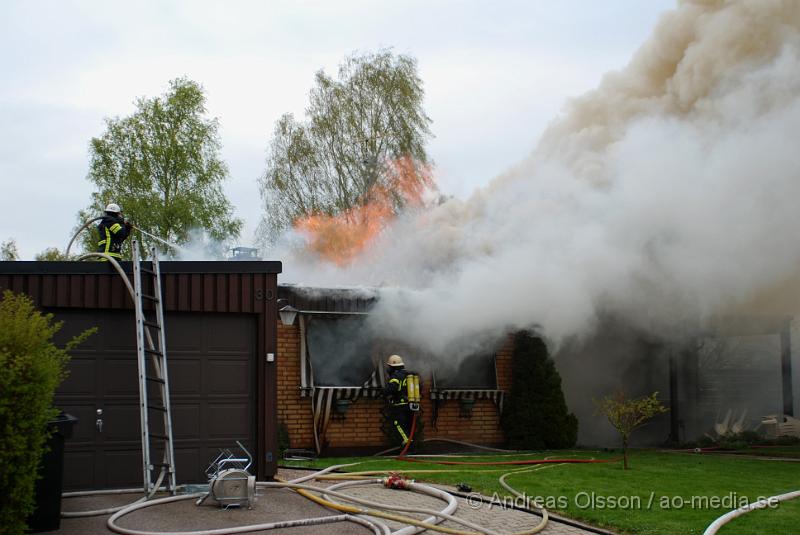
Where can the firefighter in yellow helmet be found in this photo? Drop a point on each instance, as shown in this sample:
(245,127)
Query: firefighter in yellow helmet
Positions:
(396,394)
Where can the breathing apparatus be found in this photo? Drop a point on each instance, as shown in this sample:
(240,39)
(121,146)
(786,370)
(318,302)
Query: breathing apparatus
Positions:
(412,390)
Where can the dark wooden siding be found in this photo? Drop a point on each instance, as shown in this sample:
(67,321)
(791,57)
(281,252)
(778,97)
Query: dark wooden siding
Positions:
(230,287)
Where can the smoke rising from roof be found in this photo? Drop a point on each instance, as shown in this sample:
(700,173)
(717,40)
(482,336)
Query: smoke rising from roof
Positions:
(668,194)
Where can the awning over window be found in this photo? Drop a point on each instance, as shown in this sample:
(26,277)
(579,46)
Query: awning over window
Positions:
(334,350)
(334,353)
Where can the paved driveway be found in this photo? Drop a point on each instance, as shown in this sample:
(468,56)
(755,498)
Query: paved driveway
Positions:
(278,504)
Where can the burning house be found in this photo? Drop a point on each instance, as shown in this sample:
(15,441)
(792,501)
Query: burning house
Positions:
(236,369)
(644,237)
(241,372)
(332,373)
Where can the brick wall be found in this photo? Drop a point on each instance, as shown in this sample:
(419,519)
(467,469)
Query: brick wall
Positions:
(293,411)
(361,426)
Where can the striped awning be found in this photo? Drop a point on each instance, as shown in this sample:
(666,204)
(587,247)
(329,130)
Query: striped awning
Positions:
(457,393)
(438,395)
(372,387)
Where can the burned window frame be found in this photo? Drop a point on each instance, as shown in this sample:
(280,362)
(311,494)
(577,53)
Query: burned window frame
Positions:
(309,372)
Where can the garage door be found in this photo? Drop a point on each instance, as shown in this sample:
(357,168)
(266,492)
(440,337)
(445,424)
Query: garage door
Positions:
(213,389)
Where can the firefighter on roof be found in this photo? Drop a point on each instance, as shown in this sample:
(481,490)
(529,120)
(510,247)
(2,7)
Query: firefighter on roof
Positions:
(402,398)
(113,230)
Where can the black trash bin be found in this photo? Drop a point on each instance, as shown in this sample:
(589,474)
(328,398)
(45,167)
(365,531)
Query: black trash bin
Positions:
(47,514)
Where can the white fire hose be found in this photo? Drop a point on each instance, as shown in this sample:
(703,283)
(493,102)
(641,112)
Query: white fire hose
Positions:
(160,479)
(376,509)
(452,503)
(89,222)
(377,527)
(373,509)
(713,528)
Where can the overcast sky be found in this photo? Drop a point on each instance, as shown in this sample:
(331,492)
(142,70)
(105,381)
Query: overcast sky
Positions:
(495,74)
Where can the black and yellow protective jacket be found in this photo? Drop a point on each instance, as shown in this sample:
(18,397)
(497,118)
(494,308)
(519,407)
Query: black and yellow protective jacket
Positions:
(113,232)
(396,389)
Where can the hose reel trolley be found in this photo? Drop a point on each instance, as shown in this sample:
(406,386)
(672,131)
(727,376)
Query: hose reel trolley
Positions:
(230,483)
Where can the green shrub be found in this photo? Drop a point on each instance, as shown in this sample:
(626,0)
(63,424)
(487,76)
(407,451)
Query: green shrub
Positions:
(784,440)
(535,415)
(283,438)
(31,368)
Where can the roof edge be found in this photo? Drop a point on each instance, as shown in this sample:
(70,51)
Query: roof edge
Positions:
(167,266)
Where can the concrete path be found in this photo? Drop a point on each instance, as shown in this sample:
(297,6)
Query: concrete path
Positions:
(278,504)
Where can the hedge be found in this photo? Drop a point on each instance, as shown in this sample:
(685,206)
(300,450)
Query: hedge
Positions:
(31,368)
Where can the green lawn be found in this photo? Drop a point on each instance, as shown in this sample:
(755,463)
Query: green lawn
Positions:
(662,493)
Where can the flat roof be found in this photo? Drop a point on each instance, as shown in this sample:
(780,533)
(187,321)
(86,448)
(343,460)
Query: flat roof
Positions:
(167,266)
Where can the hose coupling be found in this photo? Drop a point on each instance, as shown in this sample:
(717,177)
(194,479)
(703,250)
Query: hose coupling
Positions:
(397,482)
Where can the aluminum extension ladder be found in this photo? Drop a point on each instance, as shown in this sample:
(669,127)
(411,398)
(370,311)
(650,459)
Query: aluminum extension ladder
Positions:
(151,350)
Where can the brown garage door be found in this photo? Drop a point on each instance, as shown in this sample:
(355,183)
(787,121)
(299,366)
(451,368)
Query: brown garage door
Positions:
(212,381)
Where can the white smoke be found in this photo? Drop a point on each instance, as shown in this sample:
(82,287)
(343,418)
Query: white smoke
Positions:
(667,195)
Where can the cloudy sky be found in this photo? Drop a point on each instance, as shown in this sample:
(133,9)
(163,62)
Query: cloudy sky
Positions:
(495,74)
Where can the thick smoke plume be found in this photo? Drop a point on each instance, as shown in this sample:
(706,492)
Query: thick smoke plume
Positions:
(667,195)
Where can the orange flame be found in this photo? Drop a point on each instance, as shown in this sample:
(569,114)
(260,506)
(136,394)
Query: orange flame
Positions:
(342,237)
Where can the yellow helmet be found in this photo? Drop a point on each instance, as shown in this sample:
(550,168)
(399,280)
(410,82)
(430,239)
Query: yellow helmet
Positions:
(395,360)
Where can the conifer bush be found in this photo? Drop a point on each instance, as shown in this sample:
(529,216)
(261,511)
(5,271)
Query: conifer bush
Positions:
(31,368)
(535,415)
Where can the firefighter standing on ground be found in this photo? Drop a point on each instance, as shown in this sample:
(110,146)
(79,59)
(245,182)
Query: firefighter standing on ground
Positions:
(396,393)
(113,230)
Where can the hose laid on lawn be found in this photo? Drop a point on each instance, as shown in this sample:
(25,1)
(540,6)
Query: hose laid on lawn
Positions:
(713,528)
(502,463)
(515,492)
(449,441)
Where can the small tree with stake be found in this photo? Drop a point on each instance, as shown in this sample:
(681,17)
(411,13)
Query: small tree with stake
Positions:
(627,415)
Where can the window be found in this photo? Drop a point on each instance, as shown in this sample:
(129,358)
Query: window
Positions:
(476,371)
(340,349)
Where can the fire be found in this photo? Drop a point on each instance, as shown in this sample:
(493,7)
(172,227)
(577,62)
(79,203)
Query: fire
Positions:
(342,237)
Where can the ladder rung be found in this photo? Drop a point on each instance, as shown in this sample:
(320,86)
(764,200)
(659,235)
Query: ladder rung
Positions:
(160,403)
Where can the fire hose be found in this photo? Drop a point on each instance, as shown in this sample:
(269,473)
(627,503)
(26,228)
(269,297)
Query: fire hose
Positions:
(352,513)
(410,436)
(414,525)
(501,463)
(85,225)
(160,479)
(713,528)
(89,222)
(451,441)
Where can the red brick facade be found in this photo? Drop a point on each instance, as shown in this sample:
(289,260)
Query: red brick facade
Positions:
(361,426)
